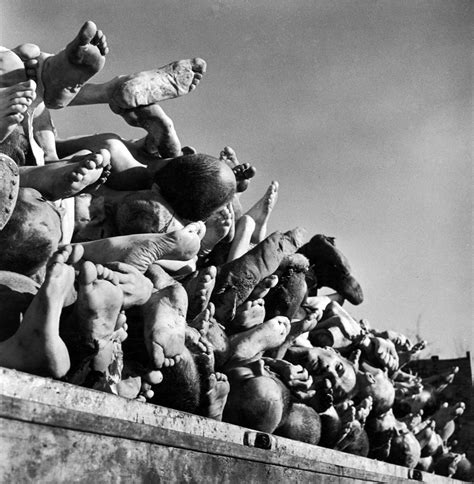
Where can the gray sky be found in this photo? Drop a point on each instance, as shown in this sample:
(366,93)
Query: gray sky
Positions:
(360,109)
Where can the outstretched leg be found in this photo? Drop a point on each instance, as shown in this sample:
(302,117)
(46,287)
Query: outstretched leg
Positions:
(142,250)
(261,211)
(63,74)
(36,347)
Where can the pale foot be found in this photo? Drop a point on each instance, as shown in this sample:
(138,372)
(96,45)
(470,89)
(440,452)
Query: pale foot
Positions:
(37,347)
(12,69)
(14,102)
(162,138)
(65,179)
(181,245)
(251,344)
(248,315)
(63,74)
(135,286)
(30,55)
(218,225)
(149,87)
(199,290)
(98,306)
(164,316)
(216,396)
(214,333)
(261,211)
(243,171)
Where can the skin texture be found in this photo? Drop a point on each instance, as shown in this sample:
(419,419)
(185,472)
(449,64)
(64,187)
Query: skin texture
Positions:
(237,279)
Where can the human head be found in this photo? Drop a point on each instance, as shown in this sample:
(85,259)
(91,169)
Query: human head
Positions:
(196,185)
(327,363)
(31,235)
(375,382)
(145,212)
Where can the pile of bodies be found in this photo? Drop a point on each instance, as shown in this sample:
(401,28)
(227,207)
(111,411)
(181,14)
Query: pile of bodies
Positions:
(130,266)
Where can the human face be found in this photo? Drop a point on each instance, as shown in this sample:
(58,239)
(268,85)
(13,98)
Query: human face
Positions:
(44,216)
(327,363)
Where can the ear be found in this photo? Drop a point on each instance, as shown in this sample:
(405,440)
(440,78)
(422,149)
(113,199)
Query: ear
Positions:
(370,377)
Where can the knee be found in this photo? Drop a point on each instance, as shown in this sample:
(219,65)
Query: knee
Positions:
(111,142)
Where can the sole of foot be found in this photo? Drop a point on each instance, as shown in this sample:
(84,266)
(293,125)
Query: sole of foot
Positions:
(148,87)
(63,74)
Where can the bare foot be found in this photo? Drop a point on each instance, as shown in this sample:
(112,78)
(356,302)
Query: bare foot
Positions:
(164,316)
(64,74)
(162,136)
(149,87)
(14,102)
(99,301)
(142,250)
(12,69)
(216,396)
(248,315)
(261,211)
(135,286)
(251,344)
(65,179)
(243,171)
(30,55)
(199,290)
(37,347)
(237,279)
(263,287)
(218,226)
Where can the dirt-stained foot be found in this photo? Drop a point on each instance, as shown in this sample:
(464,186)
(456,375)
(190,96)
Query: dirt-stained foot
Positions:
(199,289)
(98,306)
(261,211)
(216,396)
(37,347)
(251,344)
(142,250)
(218,226)
(238,278)
(63,74)
(181,244)
(164,316)
(149,87)
(243,172)
(162,138)
(248,315)
(14,102)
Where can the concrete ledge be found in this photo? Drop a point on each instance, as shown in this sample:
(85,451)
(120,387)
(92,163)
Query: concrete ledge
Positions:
(105,438)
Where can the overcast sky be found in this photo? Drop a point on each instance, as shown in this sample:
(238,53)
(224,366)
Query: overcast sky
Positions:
(360,109)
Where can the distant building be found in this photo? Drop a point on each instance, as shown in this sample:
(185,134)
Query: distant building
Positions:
(461,390)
